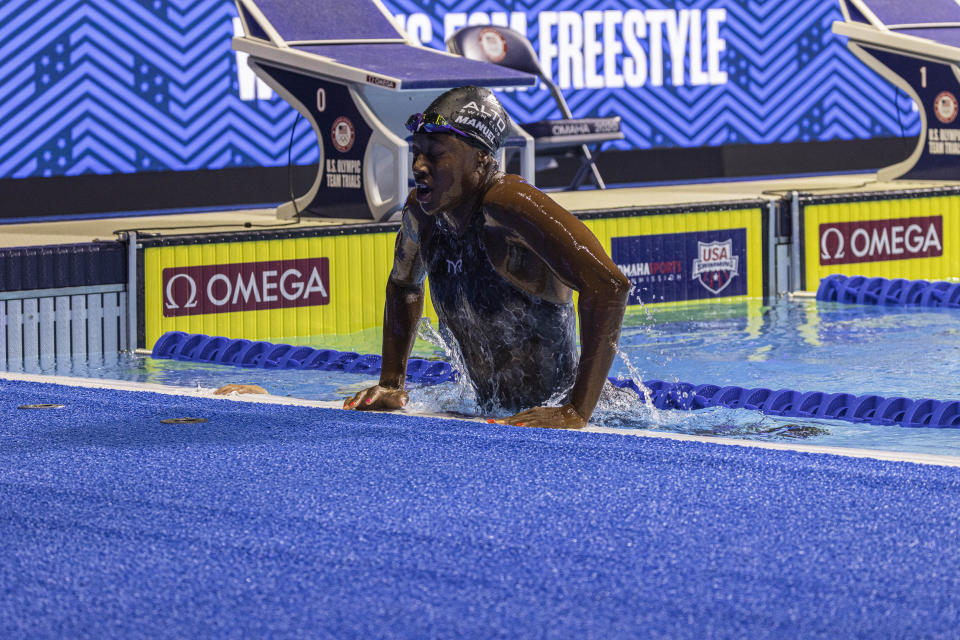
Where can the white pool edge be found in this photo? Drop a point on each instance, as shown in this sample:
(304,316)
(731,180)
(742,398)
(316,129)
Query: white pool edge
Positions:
(200,392)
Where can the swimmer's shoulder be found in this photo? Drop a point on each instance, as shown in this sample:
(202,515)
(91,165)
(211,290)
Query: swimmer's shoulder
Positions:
(505,183)
(507,191)
(511,195)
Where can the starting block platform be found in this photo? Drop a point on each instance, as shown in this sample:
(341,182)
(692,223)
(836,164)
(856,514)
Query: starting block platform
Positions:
(356,79)
(916,46)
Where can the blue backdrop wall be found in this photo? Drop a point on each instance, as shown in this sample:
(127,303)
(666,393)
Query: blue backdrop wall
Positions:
(125,86)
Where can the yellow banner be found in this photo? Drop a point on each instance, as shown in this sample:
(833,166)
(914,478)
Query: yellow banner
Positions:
(261,287)
(296,289)
(913,238)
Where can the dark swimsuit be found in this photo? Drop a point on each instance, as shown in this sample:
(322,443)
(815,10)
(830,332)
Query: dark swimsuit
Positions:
(519,349)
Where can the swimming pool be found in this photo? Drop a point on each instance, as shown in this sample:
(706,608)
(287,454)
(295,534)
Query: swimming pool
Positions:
(798,344)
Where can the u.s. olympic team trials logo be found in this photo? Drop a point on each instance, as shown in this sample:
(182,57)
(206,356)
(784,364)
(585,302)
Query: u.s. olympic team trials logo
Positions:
(945,107)
(343,134)
(716,265)
(493,44)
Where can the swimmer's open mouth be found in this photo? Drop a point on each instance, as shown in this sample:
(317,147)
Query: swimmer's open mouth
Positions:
(423,192)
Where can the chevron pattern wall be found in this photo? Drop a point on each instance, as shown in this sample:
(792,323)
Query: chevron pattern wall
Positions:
(119,86)
(122,86)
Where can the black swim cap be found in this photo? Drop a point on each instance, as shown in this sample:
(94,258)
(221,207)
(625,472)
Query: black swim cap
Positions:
(476,112)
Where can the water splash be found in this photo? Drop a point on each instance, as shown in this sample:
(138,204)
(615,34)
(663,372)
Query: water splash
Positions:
(636,376)
(616,407)
(456,397)
(743,424)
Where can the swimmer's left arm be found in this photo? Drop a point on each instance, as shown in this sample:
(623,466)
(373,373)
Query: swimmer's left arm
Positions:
(578,259)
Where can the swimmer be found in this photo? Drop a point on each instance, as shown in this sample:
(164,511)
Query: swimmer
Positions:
(503,260)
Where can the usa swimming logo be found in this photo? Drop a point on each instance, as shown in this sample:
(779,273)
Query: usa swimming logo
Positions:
(716,265)
(670,267)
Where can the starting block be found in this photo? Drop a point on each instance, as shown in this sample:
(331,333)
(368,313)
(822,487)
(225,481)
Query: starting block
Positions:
(916,46)
(356,78)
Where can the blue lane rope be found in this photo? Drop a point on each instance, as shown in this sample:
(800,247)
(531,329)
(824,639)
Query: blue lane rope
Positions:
(199,347)
(881,291)
(872,409)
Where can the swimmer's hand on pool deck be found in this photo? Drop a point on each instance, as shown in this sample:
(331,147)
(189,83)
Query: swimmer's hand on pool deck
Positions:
(377,398)
(227,389)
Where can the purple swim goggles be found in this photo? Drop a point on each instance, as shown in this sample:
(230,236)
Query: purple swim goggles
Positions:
(432,123)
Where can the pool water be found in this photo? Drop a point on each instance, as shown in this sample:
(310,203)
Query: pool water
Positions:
(803,345)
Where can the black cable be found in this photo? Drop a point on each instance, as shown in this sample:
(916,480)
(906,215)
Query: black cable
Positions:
(293,199)
(246,225)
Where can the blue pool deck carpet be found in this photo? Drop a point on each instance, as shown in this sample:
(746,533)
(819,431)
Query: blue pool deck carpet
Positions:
(272,521)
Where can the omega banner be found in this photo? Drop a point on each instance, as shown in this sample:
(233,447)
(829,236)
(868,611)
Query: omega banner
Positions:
(913,238)
(876,240)
(245,286)
(280,289)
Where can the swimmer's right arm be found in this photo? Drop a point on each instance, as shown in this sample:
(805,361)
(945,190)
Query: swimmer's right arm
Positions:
(401,314)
